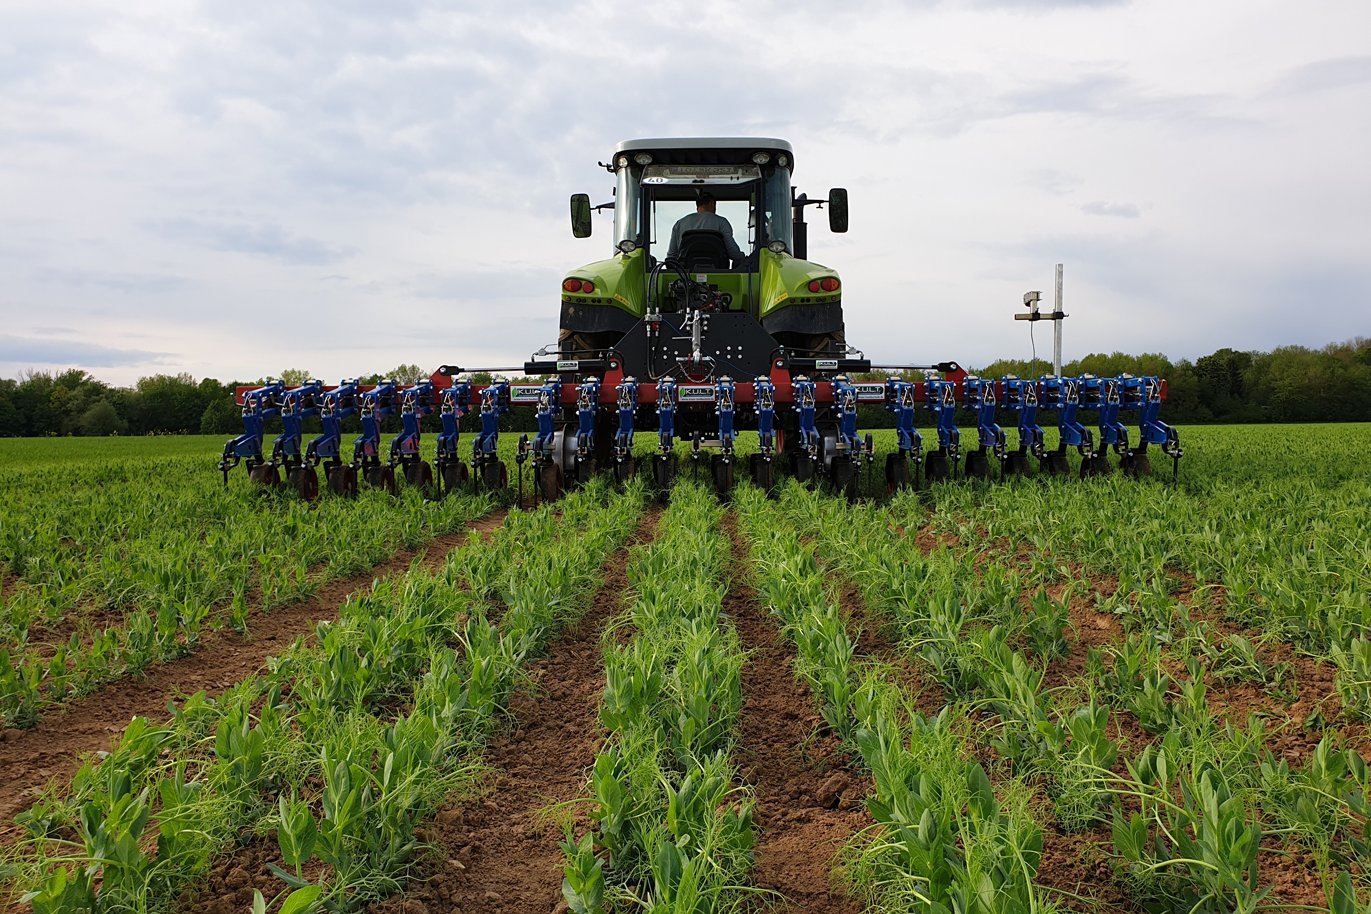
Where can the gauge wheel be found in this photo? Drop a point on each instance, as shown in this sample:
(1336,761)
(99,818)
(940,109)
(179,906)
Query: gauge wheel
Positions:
(804,467)
(265,476)
(896,473)
(763,472)
(664,473)
(1055,463)
(723,473)
(494,475)
(342,480)
(977,465)
(304,481)
(382,478)
(624,470)
(549,481)
(1095,465)
(936,466)
(1016,464)
(1137,465)
(585,469)
(454,476)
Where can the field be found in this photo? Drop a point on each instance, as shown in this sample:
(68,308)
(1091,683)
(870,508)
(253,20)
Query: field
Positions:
(1041,695)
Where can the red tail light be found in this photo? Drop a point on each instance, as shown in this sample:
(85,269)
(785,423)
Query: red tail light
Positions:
(572,285)
(814,285)
(829,284)
(587,286)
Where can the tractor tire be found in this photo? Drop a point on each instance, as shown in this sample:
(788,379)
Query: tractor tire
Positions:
(977,465)
(1016,464)
(896,473)
(936,466)
(550,482)
(304,481)
(342,481)
(264,476)
(455,476)
(722,468)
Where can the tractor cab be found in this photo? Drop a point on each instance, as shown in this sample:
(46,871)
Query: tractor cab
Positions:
(750,201)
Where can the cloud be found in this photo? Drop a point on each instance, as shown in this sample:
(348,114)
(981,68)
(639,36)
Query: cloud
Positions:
(1119,210)
(267,239)
(127,283)
(1325,75)
(31,351)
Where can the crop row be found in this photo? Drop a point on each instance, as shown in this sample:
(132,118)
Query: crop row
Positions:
(343,747)
(671,829)
(1188,811)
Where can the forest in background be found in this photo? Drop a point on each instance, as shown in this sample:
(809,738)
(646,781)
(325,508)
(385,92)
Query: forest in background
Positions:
(1288,384)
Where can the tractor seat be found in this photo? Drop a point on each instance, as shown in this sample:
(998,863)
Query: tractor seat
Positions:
(703,250)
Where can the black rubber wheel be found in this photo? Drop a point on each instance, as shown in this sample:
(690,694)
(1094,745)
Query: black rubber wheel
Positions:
(722,468)
(977,465)
(1016,464)
(585,469)
(763,471)
(845,474)
(624,470)
(494,475)
(664,473)
(265,476)
(455,476)
(936,466)
(896,473)
(804,468)
(1137,465)
(382,478)
(550,482)
(1055,463)
(1095,465)
(342,480)
(304,481)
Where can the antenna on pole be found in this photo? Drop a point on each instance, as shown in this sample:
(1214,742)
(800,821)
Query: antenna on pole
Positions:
(1031,301)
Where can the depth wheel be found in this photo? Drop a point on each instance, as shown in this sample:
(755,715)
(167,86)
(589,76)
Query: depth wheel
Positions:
(664,473)
(804,468)
(977,465)
(763,471)
(624,470)
(845,475)
(264,476)
(936,466)
(1016,464)
(550,482)
(723,473)
(1055,463)
(342,481)
(304,481)
(585,470)
(455,476)
(494,475)
(896,473)
(382,478)
(1095,465)
(1136,465)
(420,473)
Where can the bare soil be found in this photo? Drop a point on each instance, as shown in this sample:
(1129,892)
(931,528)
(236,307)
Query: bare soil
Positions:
(809,804)
(55,748)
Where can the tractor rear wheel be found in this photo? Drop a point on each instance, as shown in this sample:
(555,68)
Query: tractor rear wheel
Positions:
(977,465)
(454,476)
(896,473)
(723,473)
(304,481)
(936,466)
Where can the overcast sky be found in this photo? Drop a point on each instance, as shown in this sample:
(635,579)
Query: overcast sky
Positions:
(230,189)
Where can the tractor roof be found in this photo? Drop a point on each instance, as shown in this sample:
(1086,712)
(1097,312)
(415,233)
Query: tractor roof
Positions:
(707,150)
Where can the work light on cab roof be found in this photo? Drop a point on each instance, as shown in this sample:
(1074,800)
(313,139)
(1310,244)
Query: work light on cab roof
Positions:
(706,320)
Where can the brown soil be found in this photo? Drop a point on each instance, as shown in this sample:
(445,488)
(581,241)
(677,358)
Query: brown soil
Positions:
(502,853)
(1076,870)
(808,803)
(54,749)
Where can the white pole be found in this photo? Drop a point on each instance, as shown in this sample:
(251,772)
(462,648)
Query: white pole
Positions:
(1057,327)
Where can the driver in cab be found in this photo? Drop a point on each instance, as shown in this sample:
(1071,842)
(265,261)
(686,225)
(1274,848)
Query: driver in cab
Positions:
(704,219)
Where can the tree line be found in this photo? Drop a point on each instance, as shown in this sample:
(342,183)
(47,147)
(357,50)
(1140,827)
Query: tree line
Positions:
(1288,384)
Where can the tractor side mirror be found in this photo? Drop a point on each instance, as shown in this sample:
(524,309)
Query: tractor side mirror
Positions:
(837,209)
(580,215)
